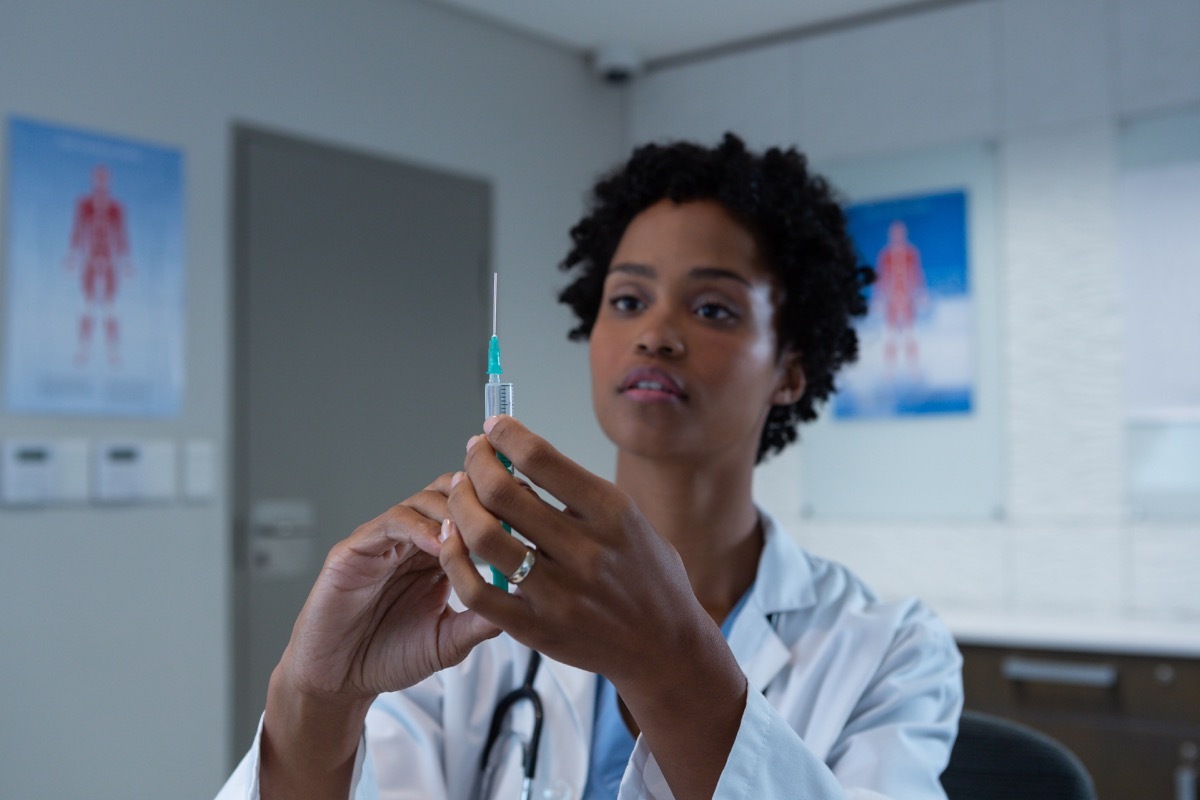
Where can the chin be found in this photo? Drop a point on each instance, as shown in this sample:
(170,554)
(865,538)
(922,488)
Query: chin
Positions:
(660,442)
(642,439)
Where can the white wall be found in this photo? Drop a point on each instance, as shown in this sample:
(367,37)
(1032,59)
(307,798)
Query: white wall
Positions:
(114,629)
(1050,82)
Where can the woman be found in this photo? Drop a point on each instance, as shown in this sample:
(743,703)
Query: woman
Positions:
(716,288)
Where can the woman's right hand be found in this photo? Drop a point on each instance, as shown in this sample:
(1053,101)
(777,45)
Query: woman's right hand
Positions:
(377,620)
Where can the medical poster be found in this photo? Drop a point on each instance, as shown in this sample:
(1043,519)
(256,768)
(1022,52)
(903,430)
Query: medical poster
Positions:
(95,274)
(916,343)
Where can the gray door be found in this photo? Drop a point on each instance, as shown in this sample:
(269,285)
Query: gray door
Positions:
(362,303)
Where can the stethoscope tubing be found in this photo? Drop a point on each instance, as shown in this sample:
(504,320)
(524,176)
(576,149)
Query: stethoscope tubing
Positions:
(523,692)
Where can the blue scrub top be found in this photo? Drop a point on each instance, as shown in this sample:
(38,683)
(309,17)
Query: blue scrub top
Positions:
(612,744)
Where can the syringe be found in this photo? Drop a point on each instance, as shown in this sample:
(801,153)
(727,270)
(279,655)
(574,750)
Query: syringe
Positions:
(497,396)
(497,399)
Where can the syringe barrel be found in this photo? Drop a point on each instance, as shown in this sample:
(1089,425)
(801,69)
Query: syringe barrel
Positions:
(497,399)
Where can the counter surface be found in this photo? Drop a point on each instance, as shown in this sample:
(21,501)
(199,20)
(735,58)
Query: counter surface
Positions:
(1085,634)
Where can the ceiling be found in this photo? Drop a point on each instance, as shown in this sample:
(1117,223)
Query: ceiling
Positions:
(668,30)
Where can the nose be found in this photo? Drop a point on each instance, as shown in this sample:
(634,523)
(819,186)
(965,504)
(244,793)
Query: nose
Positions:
(660,336)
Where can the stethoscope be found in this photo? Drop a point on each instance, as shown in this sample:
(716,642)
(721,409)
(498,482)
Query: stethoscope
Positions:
(530,748)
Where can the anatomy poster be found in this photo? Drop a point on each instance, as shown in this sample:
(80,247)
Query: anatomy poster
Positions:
(916,343)
(95,274)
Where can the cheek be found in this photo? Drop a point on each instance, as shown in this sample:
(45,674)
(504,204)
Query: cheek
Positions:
(605,343)
(762,351)
(755,353)
(595,357)
(750,368)
(599,359)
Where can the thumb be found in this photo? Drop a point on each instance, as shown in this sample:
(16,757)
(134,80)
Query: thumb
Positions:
(463,631)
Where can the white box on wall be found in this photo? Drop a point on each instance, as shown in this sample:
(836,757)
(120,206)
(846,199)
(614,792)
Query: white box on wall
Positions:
(43,472)
(199,470)
(133,471)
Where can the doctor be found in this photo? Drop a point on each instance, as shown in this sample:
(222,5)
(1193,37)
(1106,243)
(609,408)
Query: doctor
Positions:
(691,648)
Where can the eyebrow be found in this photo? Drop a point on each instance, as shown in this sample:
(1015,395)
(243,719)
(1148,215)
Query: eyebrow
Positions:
(647,271)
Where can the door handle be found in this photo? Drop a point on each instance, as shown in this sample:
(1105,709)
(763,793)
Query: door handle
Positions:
(1021,669)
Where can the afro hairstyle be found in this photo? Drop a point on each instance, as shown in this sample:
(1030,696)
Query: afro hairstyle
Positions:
(799,226)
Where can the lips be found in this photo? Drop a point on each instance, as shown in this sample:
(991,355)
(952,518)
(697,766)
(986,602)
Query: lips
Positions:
(649,384)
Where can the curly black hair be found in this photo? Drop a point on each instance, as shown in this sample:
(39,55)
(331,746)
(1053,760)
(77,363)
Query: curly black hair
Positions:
(798,223)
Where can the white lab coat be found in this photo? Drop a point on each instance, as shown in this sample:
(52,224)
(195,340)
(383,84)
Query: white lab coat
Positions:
(849,697)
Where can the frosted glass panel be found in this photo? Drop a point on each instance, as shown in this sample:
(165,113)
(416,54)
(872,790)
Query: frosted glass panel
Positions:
(1160,259)
(1164,470)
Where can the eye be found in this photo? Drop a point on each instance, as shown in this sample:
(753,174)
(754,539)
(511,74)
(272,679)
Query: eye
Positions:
(625,303)
(716,312)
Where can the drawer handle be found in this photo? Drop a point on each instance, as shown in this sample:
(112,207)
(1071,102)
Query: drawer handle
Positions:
(1065,673)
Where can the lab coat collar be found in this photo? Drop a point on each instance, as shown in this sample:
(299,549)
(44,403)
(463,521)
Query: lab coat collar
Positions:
(785,577)
(568,692)
(784,583)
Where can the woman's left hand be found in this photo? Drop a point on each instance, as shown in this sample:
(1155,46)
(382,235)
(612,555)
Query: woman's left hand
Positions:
(606,592)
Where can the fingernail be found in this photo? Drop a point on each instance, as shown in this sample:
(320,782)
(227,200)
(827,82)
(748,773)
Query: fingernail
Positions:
(471,442)
(445,530)
(490,423)
(457,479)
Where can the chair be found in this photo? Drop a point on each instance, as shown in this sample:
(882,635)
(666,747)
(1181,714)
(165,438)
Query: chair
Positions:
(998,759)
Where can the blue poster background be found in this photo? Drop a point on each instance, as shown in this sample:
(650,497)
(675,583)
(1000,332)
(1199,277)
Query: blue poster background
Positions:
(916,351)
(130,360)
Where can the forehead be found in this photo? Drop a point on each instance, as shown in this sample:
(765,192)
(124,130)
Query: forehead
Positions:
(699,233)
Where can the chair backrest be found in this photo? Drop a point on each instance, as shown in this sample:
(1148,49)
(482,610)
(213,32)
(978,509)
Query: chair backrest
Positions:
(998,759)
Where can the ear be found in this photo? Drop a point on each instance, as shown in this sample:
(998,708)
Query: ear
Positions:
(791,380)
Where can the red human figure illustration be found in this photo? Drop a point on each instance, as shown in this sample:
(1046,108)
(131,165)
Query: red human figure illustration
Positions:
(901,284)
(99,246)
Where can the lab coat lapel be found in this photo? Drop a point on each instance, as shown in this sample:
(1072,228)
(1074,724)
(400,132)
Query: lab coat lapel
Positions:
(569,695)
(783,584)
(758,649)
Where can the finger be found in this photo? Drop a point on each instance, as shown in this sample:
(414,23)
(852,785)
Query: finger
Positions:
(474,592)
(545,466)
(417,521)
(431,501)
(441,483)
(483,533)
(400,525)
(507,497)
(378,549)
(463,631)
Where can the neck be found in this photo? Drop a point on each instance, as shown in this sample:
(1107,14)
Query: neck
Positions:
(707,513)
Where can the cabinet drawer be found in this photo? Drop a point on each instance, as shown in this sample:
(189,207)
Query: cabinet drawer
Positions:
(1166,689)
